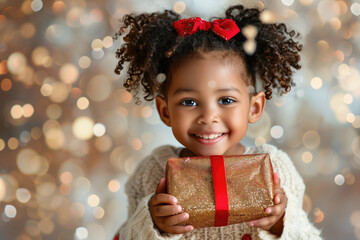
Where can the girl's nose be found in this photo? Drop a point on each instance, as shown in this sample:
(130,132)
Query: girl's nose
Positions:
(208,116)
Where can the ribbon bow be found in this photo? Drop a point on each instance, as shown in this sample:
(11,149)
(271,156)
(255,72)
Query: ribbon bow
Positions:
(224,28)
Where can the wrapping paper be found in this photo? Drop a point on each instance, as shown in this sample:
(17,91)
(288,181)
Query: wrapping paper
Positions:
(249,187)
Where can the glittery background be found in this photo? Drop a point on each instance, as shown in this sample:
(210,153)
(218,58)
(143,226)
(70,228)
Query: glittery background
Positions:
(249,187)
(70,136)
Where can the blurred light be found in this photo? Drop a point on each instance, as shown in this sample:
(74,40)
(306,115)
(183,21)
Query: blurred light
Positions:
(65,189)
(3,67)
(96,44)
(348,98)
(99,88)
(355,8)
(25,136)
(53,111)
(10,211)
(276,132)
(306,2)
(306,157)
(38,55)
(98,212)
(46,90)
(46,226)
(36,133)
(32,228)
(339,179)
(307,204)
(68,73)
(8,187)
(81,233)
(356,122)
(355,218)
(58,6)
(316,83)
(36,5)
(260,140)
(249,47)
(96,15)
(82,128)
(23,195)
(99,129)
(287,2)
(350,117)
(16,111)
(2,144)
(77,210)
(103,143)
(268,17)
(114,185)
(66,177)
(355,146)
(27,30)
(6,84)
(146,111)
(84,62)
(319,215)
(54,136)
(28,162)
(107,41)
(161,77)
(93,200)
(179,6)
(16,63)
(13,143)
(136,144)
(125,97)
(311,139)
(97,54)
(28,110)
(26,7)
(59,93)
(82,103)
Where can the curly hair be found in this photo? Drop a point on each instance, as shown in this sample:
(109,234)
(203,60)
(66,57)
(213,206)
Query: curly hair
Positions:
(153,46)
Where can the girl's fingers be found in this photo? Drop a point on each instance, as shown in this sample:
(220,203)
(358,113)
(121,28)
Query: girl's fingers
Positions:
(161,187)
(275,210)
(172,220)
(179,229)
(264,223)
(276,181)
(163,198)
(166,210)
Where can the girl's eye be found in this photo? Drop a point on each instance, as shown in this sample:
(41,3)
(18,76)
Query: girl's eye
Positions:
(188,103)
(226,101)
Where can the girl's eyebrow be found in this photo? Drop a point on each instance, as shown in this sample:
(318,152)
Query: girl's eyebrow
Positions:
(187,90)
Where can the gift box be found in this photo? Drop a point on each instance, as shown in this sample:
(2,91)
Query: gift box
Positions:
(221,190)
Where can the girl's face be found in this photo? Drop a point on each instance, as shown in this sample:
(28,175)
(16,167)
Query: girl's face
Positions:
(208,105)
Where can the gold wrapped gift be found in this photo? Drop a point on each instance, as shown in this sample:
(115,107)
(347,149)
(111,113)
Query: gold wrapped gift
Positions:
(249,186)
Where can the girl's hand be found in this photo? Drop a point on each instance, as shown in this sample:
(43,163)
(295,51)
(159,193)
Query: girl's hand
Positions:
(273,222)
(164,211)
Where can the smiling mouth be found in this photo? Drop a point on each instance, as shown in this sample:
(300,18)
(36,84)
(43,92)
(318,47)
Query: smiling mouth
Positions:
(208,136)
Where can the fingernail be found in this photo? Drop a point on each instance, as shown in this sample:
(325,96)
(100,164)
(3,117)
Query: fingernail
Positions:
(191,228)
(268,210)
(174,200)
(251,224)
(179,208)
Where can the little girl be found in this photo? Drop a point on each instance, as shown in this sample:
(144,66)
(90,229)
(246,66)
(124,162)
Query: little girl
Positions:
(203,77)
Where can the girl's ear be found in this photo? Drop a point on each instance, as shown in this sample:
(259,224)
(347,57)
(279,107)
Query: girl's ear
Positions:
(161,106)
(257,106)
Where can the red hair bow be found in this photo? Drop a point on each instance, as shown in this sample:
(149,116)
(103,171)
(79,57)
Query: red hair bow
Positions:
(224,28)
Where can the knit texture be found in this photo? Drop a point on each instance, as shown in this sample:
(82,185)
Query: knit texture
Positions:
(141,186)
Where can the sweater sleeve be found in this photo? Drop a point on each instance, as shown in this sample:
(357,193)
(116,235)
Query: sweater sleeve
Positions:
(296,222)
(140,188)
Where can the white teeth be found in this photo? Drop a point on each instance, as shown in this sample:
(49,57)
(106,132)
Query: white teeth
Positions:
(211,136)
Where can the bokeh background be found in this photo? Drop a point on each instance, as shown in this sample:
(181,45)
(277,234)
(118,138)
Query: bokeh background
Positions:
(70,135)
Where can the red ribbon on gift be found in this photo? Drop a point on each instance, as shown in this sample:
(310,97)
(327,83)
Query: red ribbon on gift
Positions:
(224,28)
(220,189)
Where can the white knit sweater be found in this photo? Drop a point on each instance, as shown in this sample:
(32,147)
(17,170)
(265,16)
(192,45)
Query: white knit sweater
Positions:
(141,186)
